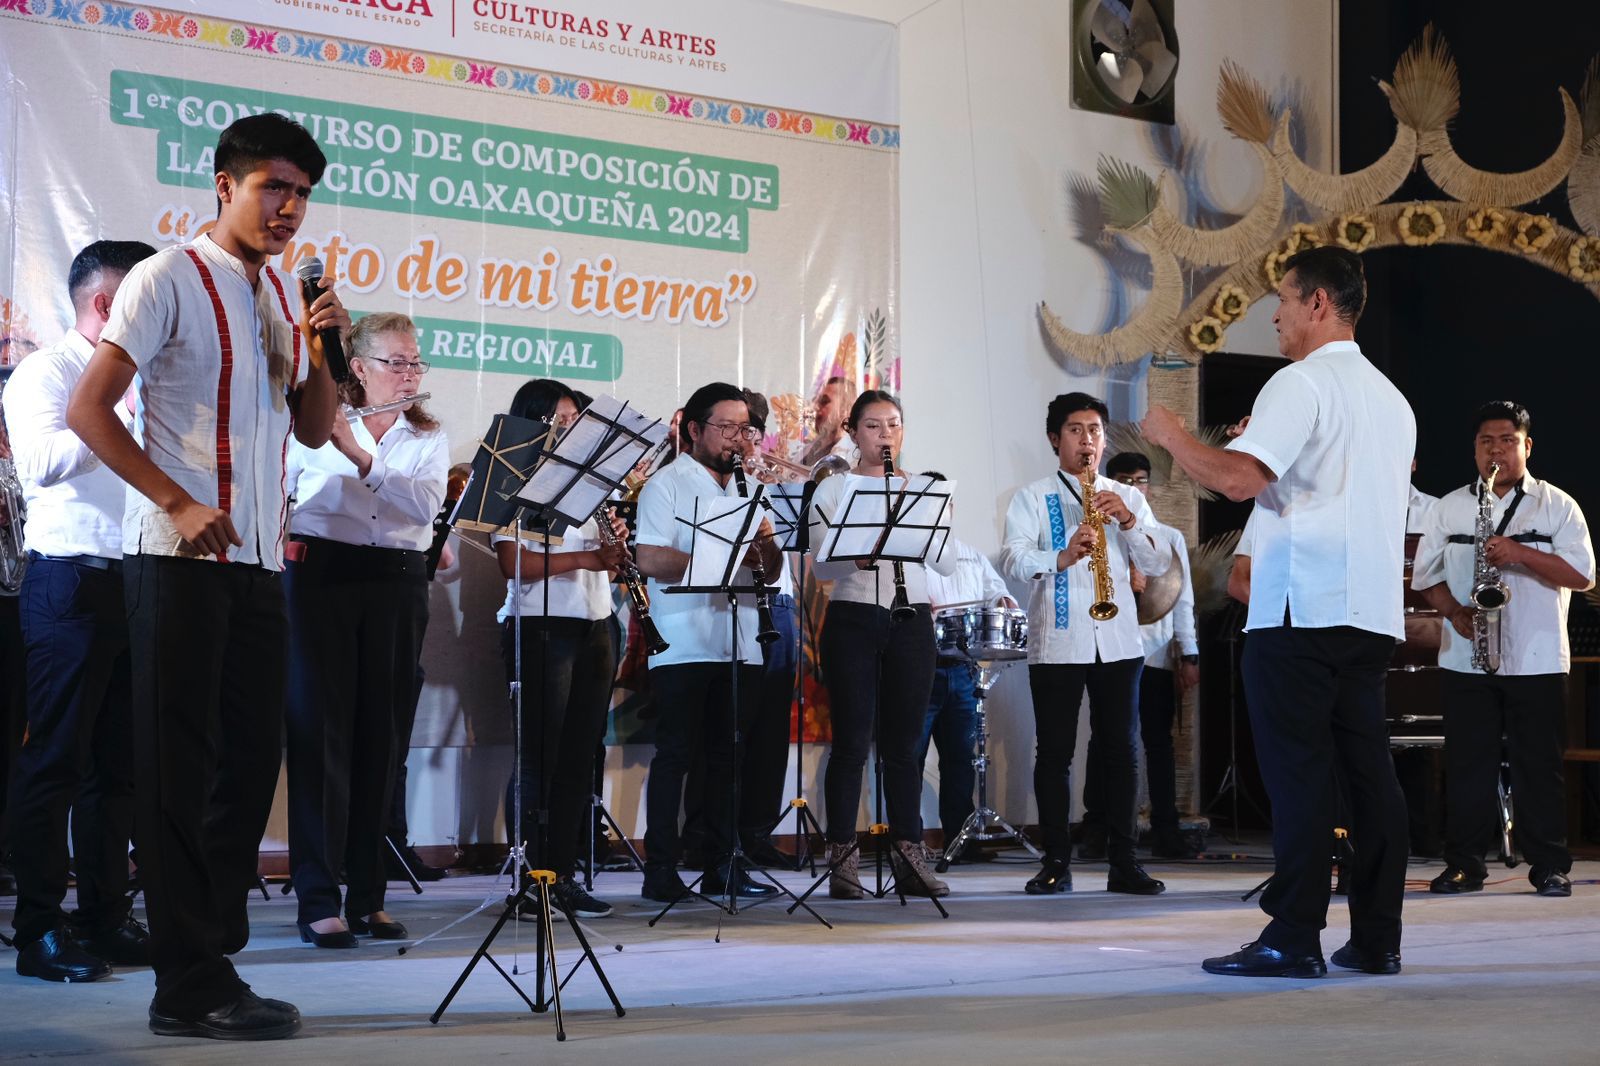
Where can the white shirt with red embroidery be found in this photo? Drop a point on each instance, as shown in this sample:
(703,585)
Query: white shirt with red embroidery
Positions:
(222,438)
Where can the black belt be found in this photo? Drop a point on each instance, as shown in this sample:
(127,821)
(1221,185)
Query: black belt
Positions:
(362,560)
(1520,538)
(93,562)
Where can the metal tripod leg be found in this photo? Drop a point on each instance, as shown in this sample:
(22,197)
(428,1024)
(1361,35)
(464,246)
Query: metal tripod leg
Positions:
(983,818)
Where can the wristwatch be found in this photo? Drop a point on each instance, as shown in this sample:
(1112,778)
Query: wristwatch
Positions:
(1192,660)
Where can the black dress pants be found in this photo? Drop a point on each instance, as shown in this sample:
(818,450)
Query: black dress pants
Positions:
(356,617)
(766,748)
(1530,713)
(13,710)
(1057,694)
(1316,702)
(209,654)
(79,751)
(567,667)
(880,675)
(1157,706)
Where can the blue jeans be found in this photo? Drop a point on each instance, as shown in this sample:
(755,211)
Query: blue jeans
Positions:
(952,724)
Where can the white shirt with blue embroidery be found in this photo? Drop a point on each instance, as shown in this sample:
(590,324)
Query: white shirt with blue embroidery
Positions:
(1040,520)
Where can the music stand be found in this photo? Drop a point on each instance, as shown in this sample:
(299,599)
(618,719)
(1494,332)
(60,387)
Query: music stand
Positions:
(881,522)
(721,534)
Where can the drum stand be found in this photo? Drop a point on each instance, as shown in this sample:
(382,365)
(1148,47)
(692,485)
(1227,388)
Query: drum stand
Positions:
(984,823)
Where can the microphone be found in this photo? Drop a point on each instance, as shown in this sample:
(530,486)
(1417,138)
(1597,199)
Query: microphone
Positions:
(310,272)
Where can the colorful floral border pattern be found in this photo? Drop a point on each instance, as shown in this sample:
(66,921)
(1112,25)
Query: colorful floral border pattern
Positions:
(225,35)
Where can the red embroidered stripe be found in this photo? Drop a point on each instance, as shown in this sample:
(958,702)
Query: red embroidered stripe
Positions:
(224,388)
(294,377)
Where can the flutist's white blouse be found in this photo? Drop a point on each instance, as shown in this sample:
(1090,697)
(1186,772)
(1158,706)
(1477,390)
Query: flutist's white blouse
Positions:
(392,507)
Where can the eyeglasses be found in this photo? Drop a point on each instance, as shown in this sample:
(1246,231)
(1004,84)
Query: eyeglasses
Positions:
(401,366)
(872,425)
(730,430)
(1134,479)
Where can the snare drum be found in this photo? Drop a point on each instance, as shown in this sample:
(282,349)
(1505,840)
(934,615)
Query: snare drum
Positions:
(984,634)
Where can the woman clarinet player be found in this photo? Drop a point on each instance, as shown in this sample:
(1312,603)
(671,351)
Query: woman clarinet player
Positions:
(876,667)
(568,660)
(356,586)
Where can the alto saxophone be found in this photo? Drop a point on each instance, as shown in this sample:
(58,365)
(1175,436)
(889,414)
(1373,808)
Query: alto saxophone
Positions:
(1104,607)
(1489,593)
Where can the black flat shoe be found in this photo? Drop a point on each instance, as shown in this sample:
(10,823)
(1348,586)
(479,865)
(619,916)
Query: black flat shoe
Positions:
(55,957)
(377,930)
(662,885)
(1255,959)
(127,944)
(1552,883)
(339,938)
(247,1018)
(1353,958)
(747,888)
(1131,878)
(1052,877)
(1454,881)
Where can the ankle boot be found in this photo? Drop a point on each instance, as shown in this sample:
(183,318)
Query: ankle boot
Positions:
(845,881)
(914,873)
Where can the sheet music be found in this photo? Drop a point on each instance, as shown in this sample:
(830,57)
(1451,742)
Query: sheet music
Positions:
(607,439)
(788,502)
(921,530)
(722,538)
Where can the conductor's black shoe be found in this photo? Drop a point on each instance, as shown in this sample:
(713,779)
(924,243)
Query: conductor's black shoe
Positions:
(1052,877)
(1255,959)
(1130,877)
(745,887)
(1454,881)
(1172,843)
(408,859)
(56,957)
(662,884)
(127,944)
(339,938)
(763,852)
(247,1018)
(1353,958)
(377,930)
(1550,882)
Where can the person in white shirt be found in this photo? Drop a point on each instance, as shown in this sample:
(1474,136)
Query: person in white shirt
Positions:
(356,588)
(1541,546)
(224,377)
(1048,543)
(1171,668)
(829,410)
(692,681)
(951,721)
(75,634)
(879,669)
(1326,453)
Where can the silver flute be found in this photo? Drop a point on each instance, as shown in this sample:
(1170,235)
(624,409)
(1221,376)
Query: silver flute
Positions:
(379,408)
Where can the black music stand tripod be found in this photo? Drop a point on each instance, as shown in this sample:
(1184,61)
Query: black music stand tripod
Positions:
(876,525)
(718,543)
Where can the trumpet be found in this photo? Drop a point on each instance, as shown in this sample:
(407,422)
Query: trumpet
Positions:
(354,414)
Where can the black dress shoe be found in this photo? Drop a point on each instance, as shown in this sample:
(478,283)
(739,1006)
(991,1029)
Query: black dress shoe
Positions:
(1255,959)
(1052,877)
(715,884)
(1173,843)
(248,1017)
(1353,958)
(662,885)
(1550,883)
(1454,881)
(408,859)
(377,930)
(128,944)
(1130,877)
(55,957)
(763,852)
(339,938)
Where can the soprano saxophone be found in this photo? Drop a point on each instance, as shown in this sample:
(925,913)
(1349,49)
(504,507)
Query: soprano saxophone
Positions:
(1104,607)
(1489,593)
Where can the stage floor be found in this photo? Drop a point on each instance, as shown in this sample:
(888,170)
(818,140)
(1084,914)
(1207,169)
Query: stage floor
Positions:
(1499,976)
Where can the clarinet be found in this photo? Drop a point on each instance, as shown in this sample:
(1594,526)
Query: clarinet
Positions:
(901,609)
(653,644)
(766,632)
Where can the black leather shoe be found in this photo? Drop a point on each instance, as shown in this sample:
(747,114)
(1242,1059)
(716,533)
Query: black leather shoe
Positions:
(1052,877)
(1173,843)
(408,859)
(247,1018)
(1255,959)
(1454,881)
(1550,883)
(127,944)
(55,957)
(662,885)
(763,852)
(339,938)
(1353,958)
(715,884)
(1130,877)
(377,930)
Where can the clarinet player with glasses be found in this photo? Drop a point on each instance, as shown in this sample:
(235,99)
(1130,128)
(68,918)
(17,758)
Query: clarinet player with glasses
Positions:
(1499,560)
(878,658)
